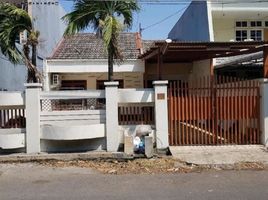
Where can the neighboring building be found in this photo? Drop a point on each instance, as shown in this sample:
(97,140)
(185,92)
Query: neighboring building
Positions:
(222,21)
(46,15)
(80,62)
(226,21)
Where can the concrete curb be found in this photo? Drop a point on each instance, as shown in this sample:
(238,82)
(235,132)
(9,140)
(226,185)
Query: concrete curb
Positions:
(64,157)
(239,166)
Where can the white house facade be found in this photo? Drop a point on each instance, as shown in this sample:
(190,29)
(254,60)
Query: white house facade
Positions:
(80,62)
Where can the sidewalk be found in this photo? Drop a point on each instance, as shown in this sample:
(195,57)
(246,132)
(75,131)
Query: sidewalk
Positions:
(220,155)
(197,155)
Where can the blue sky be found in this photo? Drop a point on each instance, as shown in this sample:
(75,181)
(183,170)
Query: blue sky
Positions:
(149,15)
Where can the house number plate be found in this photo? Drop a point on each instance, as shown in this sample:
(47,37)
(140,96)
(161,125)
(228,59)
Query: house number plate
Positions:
(160,96)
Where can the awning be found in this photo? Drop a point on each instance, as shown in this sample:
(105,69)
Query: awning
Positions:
(194,51)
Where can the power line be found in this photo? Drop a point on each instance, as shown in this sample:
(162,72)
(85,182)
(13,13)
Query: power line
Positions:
(162,20)
(152,2)
(174,2)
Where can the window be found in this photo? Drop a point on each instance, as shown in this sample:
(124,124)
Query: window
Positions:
(241,24)
(55,79)
(256,23)
(241,35)
(256,35)
(250,30)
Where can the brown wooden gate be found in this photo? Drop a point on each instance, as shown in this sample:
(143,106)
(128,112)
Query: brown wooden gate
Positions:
(214,111)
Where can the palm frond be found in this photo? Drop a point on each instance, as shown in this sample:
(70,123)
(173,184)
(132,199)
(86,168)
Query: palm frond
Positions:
(111,30)
(12,23)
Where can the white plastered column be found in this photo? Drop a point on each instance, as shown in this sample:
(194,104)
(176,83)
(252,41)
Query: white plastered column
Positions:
(32,102)
(112,132)
(161,114)
(264,111)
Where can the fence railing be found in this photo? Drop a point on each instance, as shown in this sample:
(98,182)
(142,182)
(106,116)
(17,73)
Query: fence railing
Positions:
(136,107)
(72,107)
(214,111)
(12,118)
(72,100)
(80,115)
(12,110)
(136,114)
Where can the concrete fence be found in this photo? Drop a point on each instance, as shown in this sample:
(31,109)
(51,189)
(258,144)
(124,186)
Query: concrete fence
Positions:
(12,120)
(90,120)
(83,120)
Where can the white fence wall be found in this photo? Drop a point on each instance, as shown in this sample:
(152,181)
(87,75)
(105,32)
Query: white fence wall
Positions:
(75,120)
(135,95)
(72,115)
(12,120)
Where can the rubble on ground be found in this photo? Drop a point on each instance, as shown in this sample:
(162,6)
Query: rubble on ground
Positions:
(136,166)
(148,166)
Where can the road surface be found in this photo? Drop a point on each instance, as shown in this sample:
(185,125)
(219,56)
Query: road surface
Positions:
(33,182)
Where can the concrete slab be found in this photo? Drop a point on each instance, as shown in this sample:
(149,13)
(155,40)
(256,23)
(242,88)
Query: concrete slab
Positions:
(22,157)
(220,155)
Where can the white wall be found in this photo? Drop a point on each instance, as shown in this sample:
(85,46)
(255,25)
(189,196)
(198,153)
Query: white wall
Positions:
(87,66)
(225,15)
(47,19)
(131,71)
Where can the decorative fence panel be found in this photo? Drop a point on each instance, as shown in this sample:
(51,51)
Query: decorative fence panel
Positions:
(135,115)
(72,107)
(12,110)
(136,107)
(72,115)
(214,111)
(12,118)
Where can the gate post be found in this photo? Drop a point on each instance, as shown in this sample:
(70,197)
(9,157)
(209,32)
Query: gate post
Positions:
(161,114)
(264,111)
(32,105)
(112,133)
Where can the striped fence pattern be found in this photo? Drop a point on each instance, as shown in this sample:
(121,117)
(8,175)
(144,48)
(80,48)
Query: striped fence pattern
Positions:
(214,111)
(136,114)
(12,118)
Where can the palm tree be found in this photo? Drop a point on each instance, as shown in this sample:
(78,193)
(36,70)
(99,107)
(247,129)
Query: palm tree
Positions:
(14,21)
(107,18)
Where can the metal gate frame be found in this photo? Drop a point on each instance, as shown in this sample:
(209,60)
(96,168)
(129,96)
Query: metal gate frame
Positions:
(214,111)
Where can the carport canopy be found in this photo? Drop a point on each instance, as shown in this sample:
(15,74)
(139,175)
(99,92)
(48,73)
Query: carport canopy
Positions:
(176,52)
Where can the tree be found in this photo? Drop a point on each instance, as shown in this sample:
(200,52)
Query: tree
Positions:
(107,18)
(14,21)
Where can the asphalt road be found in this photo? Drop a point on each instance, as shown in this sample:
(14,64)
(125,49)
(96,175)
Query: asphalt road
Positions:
(33,182)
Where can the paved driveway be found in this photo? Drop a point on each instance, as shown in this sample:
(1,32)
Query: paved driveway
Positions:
(203,155)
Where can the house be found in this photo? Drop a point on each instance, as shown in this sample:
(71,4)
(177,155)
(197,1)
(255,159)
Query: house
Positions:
(225,21)
(80,62)
(46,17)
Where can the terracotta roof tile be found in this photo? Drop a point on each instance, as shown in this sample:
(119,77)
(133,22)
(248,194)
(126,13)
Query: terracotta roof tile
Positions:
(89,46)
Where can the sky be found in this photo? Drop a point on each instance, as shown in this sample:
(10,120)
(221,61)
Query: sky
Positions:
(157,20)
